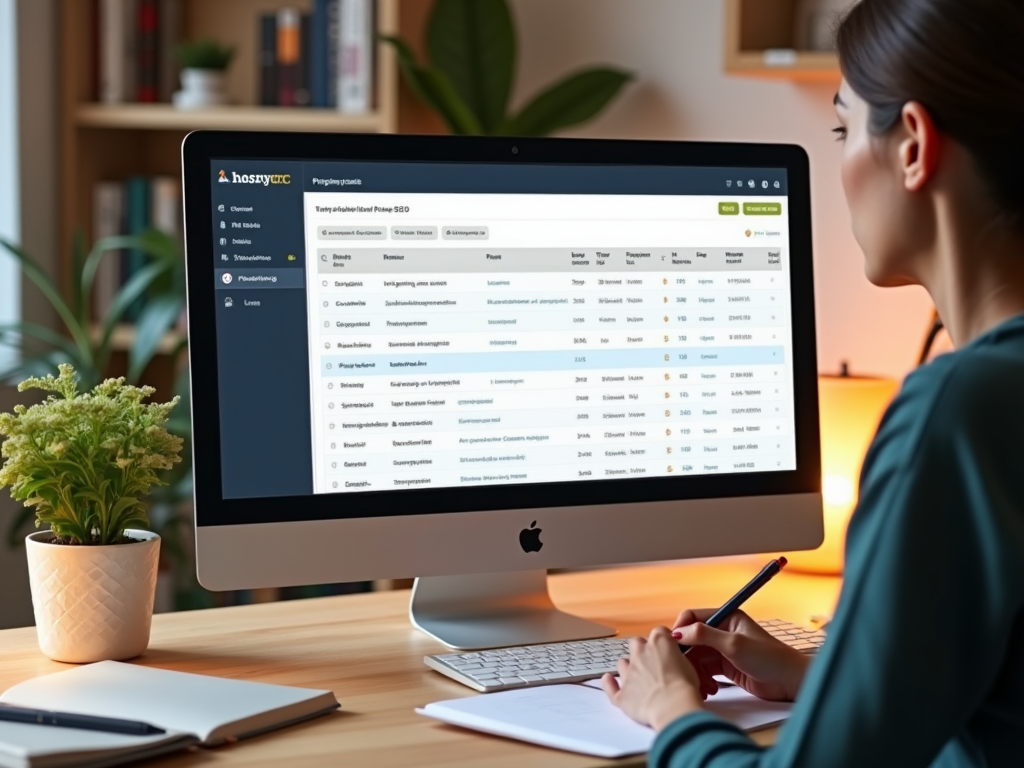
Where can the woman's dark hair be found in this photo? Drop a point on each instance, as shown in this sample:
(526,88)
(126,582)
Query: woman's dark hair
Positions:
(963,60)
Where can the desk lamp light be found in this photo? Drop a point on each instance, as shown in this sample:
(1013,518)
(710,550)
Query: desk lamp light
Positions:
(850,408)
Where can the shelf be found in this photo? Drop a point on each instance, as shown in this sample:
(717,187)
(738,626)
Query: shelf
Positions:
(785,63)
(761,41)
(164,117)
(124,336)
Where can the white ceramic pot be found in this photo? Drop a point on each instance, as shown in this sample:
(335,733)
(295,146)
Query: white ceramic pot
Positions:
(93,603)
(200,88)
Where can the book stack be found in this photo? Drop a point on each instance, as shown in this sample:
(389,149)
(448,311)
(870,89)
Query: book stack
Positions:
(130,208)
(134,50)
(323,59)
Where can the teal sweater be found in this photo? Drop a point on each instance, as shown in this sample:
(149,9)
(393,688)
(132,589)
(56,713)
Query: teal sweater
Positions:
(924,663)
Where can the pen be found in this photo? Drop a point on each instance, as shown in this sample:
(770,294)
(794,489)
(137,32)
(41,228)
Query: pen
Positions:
(741,597)
(13,714)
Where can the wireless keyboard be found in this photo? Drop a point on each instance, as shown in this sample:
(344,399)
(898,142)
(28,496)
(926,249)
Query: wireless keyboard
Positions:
(529,665)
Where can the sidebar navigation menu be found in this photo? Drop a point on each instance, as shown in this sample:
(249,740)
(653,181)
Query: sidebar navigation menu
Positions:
(259,277)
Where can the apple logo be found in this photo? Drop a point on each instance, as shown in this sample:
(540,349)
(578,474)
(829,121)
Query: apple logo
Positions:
(529,538)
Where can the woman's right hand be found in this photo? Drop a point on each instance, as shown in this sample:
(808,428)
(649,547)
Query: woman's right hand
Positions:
(741,650)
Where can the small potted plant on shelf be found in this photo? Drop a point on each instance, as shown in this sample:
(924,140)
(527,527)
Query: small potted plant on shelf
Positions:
(86,462)
(202,75)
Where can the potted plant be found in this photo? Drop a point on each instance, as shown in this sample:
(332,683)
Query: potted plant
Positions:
(468,77)
(202,75)
(86,462)
(87,342)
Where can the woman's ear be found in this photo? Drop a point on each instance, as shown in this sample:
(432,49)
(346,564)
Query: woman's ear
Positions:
(920,147)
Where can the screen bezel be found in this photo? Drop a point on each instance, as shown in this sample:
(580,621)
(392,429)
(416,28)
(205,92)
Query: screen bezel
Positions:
(212,509)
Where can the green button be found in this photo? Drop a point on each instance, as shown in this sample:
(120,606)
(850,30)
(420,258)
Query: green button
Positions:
(762,209)
(728,209)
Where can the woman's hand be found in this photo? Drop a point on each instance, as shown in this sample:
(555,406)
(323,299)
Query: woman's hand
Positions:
(744,652)
(656,684)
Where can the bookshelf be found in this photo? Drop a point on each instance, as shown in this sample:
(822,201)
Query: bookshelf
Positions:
(759,43)
(100,142)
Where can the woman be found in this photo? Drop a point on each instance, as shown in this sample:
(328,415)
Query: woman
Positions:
(924,664)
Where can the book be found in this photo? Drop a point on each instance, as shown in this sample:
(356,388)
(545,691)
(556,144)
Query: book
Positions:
(146,63)
(194,709)
(333,57)
(112,35)
(319,44)
(165,206)
(168,36)
(287,56)
(137,220)
(129,42)
(95,12)
(355,56)
(579,717)
(302,73)
(108,221)
(267,60)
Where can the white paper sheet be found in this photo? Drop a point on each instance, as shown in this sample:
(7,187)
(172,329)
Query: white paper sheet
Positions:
(579,718)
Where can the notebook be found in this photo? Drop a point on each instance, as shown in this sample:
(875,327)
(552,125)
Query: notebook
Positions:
(579,717)
(194,709)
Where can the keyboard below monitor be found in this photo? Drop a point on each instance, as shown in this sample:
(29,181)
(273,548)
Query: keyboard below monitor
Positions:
(529,665)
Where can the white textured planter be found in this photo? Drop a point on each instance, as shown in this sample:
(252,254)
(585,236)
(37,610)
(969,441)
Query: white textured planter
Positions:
(93,603)
(200,88)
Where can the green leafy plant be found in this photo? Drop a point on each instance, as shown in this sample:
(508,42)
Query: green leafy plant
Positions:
(86,345)
(86,461)
(89,347)
(471,46)
(205,54)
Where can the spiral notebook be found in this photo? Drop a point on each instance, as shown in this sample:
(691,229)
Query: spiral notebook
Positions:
(193,709)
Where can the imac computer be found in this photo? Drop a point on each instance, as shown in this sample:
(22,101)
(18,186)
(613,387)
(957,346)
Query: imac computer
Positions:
(470,360)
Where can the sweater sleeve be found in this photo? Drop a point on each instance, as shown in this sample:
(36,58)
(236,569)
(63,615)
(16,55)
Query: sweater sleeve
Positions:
(931,595)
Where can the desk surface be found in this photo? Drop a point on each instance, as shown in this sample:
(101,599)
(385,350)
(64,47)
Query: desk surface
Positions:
(364,649)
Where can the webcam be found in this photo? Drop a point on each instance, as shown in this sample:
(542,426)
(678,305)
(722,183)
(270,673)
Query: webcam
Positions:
(515,150)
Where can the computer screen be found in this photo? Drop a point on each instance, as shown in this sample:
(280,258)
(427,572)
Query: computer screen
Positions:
(434,356)
(469,325)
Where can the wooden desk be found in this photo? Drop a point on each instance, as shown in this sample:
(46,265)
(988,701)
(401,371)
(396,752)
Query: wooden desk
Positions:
(364,649)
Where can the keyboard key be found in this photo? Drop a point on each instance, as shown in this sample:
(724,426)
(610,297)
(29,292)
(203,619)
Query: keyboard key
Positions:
(556,676)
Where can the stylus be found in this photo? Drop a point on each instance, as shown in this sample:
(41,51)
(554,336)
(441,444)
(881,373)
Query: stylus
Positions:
(13,714)
(743,595)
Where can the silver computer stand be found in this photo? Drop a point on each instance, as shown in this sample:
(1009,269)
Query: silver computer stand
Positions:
(492,610)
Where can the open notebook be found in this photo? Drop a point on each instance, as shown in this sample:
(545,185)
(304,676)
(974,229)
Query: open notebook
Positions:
(579,718)
(194,709)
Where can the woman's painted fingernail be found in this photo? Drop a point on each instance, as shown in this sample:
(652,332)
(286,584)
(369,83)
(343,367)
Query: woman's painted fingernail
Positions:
(677,635)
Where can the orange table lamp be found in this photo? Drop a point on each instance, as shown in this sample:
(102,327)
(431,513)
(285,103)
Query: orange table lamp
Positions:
(851,408)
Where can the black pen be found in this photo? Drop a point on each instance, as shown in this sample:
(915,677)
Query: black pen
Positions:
(741,597)
(72,720)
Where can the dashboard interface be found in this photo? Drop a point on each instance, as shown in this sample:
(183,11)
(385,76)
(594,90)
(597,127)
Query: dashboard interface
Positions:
(445,326)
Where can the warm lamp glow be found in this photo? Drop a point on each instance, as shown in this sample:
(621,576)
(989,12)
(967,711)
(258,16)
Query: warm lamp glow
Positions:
(851,407)
(838,491)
